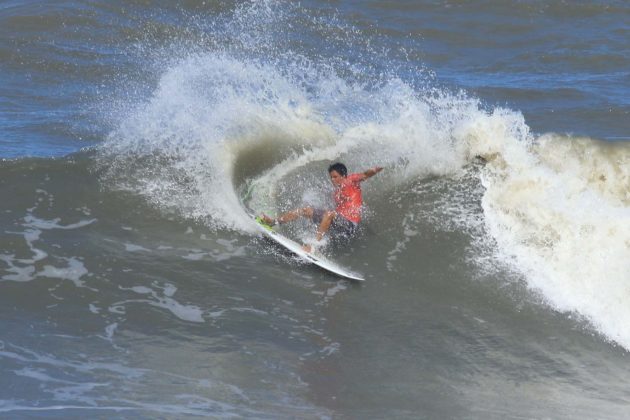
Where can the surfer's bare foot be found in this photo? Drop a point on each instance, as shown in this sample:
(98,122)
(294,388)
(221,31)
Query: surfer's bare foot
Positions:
(268,220)
(307,248)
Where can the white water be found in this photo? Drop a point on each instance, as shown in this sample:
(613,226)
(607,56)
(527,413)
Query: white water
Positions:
(560,208)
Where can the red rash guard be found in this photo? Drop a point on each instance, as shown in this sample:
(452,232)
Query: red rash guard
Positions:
(348,198)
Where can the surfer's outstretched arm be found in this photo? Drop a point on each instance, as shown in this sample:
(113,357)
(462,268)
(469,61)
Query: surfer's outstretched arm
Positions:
(370,172)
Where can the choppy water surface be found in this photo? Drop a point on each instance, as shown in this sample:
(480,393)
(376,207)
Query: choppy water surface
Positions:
(495,244)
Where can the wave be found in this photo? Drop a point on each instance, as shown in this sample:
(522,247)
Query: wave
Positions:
(225,120)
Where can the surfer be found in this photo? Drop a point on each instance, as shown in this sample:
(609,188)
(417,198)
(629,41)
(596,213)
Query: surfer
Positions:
(342,221)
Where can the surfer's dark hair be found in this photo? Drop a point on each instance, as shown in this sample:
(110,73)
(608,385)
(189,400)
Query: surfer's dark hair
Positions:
(340,168)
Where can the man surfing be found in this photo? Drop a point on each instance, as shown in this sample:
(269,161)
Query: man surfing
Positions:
(342,221)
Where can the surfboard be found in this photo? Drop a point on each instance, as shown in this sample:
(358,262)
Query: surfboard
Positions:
(310,257)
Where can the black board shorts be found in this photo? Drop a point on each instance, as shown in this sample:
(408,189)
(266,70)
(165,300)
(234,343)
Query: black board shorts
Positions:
(340,226)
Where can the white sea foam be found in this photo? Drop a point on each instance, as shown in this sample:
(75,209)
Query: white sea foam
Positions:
(21,274)
(35,360)
(189,313)
(110,330)
(44,224)
(23,269)
(135,248)
(73,272)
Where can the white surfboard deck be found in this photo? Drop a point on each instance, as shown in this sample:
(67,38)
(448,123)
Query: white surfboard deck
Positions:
(310,257)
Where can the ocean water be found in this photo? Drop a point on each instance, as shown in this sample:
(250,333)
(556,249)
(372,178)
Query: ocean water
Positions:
(495,243)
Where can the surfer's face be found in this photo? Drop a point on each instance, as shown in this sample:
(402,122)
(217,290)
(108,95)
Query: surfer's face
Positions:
(336,178)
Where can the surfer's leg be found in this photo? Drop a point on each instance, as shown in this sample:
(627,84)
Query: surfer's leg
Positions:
(323,219)
(294,214)
(325,224)
(289,216)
